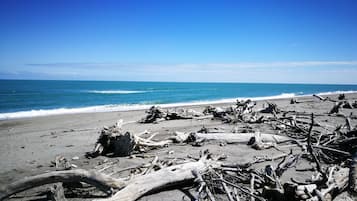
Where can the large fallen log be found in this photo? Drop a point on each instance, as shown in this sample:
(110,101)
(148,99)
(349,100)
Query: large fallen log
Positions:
(161,179)
(129,190)
(231,138)
(243,137)
(99,180)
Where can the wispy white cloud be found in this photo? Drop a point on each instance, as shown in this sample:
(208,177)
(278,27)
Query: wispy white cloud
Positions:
(199,65)
(279,71)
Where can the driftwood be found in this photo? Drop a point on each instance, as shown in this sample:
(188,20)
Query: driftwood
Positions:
(347,104)
(341,97)
(114,140)
(156,114)
(245,106)
(101,181)
(209,173)
(354,104)
(256,140)
(294,101)
(161,179)
(56,193)
(321,98)
(353,173)
(153,115)
(242,111)
(217,112)
(333,151)
(129,190)
(271,108)
(242,137)
(336,108)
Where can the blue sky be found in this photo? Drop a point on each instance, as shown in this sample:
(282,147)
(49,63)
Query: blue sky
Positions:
(206,41)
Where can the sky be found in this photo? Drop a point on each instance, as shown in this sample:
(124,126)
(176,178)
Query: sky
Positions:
(287,41)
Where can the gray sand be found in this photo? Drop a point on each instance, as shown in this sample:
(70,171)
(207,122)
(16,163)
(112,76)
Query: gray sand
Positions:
(29,145)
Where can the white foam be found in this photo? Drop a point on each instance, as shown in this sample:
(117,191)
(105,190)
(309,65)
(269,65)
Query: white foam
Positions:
(337,92)
(123,107)
(49,112)
(114,92)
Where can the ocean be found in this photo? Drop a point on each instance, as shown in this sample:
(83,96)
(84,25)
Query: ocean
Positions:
(30,98)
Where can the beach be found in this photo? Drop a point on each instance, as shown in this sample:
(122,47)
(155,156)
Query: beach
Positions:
(28,145)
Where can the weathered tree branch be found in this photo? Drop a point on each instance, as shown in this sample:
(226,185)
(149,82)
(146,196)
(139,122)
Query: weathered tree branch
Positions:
(99,180)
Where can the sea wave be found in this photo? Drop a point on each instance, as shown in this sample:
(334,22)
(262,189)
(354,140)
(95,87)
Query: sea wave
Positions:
(337,92)
(114,92)
(146,105)
(125,107)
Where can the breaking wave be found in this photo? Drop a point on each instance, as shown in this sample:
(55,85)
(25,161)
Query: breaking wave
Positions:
(125,107)
(337,92)
(114,92)
(146,105)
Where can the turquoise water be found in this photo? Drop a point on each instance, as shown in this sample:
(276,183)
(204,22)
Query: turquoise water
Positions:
(20,98)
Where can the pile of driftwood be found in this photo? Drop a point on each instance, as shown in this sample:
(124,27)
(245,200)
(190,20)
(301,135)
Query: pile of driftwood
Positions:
(330,149)
(156,114)
(242,111)
(216,180)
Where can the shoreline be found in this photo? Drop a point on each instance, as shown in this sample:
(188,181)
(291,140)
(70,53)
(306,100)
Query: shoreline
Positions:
(139,107)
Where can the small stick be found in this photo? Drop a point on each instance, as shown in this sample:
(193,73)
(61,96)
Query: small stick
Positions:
(311,150)
(331,149)
(348,124)
(241,188)
(152,136)
(236,194)
(252,181)
(153,163)
(203,184)
(225,187)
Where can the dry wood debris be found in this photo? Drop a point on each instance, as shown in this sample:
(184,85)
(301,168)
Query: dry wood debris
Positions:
(330,149)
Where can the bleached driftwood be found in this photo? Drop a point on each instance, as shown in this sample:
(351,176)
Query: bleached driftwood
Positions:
(353,173)
(336,108)
(319,97)
(271,108)
(56,193)
(231,138)
(164,178)
(129,190)
(156,114)
(243,137)
(99,180)
(114,140)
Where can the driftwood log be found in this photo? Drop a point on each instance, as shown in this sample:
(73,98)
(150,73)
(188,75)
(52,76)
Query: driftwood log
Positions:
(268,182)
(353,174)
(56,193)
(231,138)
(101,181)
(114,140)
(153,115)
(156,114)
(272,108)
(129,190)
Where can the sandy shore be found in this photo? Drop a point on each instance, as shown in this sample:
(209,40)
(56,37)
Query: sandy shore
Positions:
(29,145)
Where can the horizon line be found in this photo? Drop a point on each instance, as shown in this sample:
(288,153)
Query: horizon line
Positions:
(204,82)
